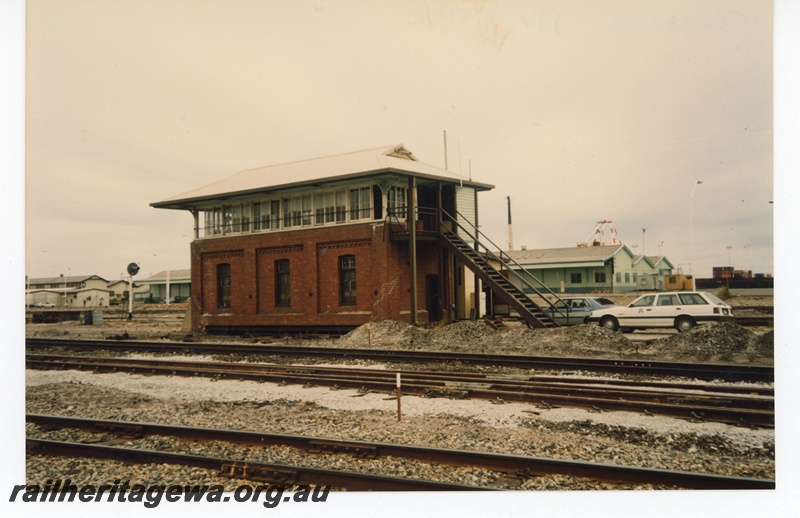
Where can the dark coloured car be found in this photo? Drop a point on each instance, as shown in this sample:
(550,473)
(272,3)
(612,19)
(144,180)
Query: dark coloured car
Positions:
(571,311)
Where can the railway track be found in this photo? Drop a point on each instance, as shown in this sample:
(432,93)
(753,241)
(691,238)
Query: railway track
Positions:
(726,372)
(510,465)
(262,472)
(744,406)
(755,321)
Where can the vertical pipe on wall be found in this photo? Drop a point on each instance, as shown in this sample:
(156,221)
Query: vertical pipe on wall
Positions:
(440,284)
(477,281)
(412,243)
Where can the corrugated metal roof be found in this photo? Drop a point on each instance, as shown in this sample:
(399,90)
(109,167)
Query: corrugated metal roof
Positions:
(174,276)
(638,258)
(61,280)
(572,256)
(655,259)
(387,159)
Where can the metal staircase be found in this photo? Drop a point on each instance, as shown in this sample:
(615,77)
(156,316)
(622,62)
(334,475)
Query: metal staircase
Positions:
(480,264)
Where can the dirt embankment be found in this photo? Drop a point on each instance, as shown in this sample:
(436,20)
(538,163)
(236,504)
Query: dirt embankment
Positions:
(725,342)
(708,343)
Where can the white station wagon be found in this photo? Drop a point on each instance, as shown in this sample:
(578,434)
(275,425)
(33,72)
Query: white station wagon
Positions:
(681,309)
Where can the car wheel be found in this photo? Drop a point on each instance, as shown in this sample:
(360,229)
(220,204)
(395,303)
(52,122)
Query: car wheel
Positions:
(683,324)
(609,323)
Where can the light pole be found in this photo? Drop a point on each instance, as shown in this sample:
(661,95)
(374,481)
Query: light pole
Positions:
(729,255)
(659,248)
(643,249)
(691,223)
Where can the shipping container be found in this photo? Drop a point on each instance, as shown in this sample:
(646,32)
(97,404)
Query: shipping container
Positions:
(678,282)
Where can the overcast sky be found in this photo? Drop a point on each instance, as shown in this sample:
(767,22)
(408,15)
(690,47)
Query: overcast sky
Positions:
(579,111)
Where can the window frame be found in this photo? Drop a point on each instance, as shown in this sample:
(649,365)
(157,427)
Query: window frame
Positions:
(347,280)
(692,299)
(360,203)
(332,206)
(646,301)
(283,283)
(224,290)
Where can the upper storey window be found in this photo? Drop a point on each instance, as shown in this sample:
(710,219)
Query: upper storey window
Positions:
(360,203)
(297,211)
(329,207)
(396,201)
(322,207)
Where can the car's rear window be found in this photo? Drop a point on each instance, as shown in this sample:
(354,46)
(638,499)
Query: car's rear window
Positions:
(715,299)
(692,299)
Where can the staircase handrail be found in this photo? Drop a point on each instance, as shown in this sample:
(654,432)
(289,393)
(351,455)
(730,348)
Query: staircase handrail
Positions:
(502,262)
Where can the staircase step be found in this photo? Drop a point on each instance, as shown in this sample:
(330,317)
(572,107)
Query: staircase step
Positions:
(476,262)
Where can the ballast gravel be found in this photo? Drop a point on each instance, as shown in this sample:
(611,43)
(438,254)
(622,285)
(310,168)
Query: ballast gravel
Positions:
(615,437)
(622,438)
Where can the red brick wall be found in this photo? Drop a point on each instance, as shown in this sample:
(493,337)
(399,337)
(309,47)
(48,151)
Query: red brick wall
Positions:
(382,277)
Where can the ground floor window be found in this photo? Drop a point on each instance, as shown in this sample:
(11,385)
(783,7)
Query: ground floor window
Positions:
(600,277)
(283,297)
(575,278)
(347,280)
(224,285)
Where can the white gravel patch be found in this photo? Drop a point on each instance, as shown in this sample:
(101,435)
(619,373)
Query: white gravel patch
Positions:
(508,415)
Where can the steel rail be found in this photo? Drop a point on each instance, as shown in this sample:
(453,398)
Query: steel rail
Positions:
(756,397)
(514,465)
(755,321)
(257,471)
(728,372)
(749,411)
(493,380)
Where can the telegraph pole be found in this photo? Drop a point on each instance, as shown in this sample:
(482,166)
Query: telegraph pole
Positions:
(510,232)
